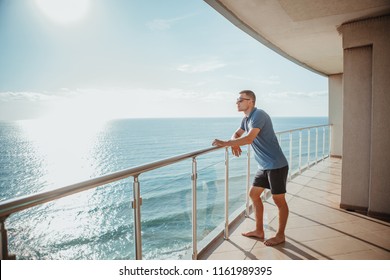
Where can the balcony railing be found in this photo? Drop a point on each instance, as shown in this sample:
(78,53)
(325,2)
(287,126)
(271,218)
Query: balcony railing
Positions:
(298,148)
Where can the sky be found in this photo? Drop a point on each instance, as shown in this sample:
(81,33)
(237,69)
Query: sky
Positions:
(104,59)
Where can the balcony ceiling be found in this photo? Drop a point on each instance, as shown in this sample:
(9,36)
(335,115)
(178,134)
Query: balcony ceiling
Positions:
(304,31)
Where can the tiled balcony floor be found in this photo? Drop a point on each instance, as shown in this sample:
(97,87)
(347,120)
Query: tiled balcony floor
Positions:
(317,228)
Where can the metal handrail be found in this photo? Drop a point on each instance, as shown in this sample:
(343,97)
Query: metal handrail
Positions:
(11,206)
(301,128)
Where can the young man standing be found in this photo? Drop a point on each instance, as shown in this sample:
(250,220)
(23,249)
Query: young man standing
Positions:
(273,166)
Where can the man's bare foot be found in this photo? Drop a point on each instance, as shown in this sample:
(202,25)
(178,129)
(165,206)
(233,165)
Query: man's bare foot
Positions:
(255,233)
(275,240)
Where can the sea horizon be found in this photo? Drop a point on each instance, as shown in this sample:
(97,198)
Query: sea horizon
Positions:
(156,118)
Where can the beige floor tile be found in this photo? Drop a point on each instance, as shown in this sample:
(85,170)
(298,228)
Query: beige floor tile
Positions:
(329,200)
(377,238)
(349,216)
(333,171)
(290,250)
(300,201)
(312,233)
(373,226)
(249,225)
(329,177)
(363,255)
(245,226)
(301,180)
(323,185)
(317,195)
(242,242)
(227,246)
(293,188)
(327,218)
(297,251)
(299,222)
(319,168)
(266,253)
(235,255)
(310,173)
(336,246)
(349,228)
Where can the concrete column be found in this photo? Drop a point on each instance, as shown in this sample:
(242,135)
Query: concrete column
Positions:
(366,145)
(357,128)
(336,113)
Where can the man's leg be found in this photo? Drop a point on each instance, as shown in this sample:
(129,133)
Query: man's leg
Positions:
(280,201)
(258,208)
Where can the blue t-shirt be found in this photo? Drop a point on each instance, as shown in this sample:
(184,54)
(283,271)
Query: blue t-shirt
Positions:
(268,153)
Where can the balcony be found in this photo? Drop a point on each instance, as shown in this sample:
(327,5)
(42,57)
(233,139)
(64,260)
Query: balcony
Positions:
(214,215)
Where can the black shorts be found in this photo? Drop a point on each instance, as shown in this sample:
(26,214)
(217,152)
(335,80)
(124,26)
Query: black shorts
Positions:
(274,179)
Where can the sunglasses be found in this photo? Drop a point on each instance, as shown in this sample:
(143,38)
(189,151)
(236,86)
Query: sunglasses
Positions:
(239,100)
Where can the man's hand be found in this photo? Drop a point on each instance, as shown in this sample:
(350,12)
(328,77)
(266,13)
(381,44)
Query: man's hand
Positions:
(236,150)
(219,143)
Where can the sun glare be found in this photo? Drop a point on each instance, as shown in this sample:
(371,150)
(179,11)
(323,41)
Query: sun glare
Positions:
(64,11)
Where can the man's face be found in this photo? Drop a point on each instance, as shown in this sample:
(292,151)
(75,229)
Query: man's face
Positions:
(243,102)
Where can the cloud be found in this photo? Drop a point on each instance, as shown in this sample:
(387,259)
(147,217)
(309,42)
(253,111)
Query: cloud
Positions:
(297,94)
(201,67)
(26,96)
(271,80)
(165,24)
(99,104)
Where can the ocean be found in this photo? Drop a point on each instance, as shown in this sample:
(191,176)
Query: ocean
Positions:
(39,155)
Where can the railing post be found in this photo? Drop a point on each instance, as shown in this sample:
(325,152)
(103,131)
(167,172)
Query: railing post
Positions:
(323,143)
(226,234)
(316,145)
(194,210)
(300,152)
(308,148)
(291,156)
(137,202)
(4,242)
(248,175)
(330,139)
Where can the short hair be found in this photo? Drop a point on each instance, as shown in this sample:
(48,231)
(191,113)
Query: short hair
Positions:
(250,94)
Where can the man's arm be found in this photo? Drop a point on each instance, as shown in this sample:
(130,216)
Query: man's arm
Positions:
(238,133)
(245,140)
(236,150)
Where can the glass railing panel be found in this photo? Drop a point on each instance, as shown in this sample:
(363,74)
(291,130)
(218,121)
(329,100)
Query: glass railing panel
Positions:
(253,166)
(326,136)
(166,212)
(294,166)
(327,140)
(304,146)
(313,147)
(284,142)
(210,195)
(237,182)
(91,225)
(320,143)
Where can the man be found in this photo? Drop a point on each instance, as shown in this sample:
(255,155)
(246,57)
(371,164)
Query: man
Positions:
(273,166)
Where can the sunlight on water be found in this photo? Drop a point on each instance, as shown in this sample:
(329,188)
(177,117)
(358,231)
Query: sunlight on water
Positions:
(66,153)
(65,148)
